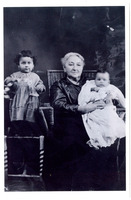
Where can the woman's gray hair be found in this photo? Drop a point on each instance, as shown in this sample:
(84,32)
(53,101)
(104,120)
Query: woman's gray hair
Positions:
(66,57)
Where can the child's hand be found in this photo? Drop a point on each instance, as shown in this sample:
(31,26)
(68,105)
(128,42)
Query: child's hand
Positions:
(39,88)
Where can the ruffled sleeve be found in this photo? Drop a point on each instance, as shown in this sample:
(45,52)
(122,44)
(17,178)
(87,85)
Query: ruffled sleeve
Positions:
(85,93)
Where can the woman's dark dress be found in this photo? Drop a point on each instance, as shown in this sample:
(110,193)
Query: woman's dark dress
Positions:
(70,164)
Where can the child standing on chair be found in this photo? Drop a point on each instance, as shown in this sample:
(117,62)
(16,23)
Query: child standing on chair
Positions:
(23,89)
(103,125)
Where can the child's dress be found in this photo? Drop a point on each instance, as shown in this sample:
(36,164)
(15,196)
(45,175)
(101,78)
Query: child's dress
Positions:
(25,100)
(103,126)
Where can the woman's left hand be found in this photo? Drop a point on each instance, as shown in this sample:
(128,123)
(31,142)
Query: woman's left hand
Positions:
(87,108)
(108,99)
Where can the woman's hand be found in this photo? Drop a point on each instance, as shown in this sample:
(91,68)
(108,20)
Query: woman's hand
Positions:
(108,98)
(87,108)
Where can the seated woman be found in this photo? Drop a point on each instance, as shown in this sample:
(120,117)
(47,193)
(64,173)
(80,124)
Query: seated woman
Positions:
(63,154)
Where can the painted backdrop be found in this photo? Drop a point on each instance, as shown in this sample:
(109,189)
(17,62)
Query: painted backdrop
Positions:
(98,33)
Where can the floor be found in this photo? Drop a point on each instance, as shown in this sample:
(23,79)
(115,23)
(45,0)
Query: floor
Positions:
(19,183)
(23,182)
(36,183)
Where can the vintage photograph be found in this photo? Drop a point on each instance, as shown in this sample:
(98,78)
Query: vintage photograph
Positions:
(64,98)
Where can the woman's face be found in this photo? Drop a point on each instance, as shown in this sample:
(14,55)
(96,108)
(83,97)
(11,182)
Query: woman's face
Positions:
(73,67)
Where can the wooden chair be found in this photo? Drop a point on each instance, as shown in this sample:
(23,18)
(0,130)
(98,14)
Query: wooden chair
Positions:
(46,118)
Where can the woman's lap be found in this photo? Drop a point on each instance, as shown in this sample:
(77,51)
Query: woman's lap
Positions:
(72,162)
(100,170)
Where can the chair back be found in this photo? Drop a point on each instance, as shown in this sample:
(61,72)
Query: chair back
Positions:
(56,75)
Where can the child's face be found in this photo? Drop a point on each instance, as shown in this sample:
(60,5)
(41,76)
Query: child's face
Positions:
(102,79)
(26,64)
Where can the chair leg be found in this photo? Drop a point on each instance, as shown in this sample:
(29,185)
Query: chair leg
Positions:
(41,153)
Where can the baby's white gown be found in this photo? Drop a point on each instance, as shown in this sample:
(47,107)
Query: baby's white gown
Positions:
(103,126)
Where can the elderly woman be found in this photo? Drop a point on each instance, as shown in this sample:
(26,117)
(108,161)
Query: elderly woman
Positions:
(70,164)
(68,146)
(64,94)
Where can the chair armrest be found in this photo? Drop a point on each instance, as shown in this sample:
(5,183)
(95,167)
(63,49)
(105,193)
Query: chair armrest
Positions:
(121,112)
(48,115)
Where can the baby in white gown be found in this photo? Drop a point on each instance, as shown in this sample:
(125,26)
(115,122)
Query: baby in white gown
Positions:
(103,126)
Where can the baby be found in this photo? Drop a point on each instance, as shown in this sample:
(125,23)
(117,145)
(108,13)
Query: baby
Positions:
(103,126)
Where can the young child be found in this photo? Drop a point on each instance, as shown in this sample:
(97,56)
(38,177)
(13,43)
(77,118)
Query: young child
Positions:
(23,88)
(26,87)
(103,126)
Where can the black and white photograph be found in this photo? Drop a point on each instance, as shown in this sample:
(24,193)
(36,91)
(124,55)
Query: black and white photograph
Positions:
(64,98)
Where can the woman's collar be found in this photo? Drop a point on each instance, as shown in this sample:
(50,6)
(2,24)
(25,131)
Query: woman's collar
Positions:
(74,80)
